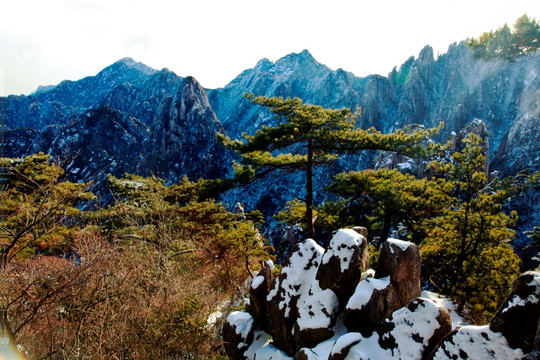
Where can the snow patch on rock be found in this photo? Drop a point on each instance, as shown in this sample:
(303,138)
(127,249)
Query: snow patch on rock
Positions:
(477,342)
(242,322)
(341,246)
(298,275)
(364,291)
(263,349)
(532,298)
(457,320)
(403,245)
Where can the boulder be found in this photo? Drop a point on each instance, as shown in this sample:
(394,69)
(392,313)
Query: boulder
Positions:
(341,347)
(414,331)
(396,284)
(306,354)
(262,348)
(411,332)
(258,291)
(343,263)
(401,261)
(518,317)
(361,230)
(475,342)
(300,313)
(238,334)
(372,302)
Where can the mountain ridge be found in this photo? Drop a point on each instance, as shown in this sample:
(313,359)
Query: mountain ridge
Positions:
(170,112)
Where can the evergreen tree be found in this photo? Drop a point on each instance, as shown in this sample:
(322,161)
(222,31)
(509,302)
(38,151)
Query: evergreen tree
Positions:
(310,136)
(456,217)
(175,222)
(384,199)
(39,215)
(138,279)
(507,44)
(466,250)
(39,206)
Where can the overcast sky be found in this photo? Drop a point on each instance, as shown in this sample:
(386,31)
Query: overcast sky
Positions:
(43,42)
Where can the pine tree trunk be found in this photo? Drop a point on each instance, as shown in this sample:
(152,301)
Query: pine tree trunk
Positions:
(385,232)
(309,190)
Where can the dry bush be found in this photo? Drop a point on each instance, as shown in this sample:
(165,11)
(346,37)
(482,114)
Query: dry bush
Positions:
(110,301)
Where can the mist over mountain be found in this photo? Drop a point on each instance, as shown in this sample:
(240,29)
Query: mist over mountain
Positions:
(131,118)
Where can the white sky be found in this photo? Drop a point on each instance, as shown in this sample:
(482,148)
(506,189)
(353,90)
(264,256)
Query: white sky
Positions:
(46,41)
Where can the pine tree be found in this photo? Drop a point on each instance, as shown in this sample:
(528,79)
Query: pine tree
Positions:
(507,44)
(384,199)
(456,217)
(40,206)
(466,250)
(310,136)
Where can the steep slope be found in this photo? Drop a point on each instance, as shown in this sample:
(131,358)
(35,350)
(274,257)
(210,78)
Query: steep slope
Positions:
(136,120)
(183,137)
(59,104)
(295,75)
(454,89)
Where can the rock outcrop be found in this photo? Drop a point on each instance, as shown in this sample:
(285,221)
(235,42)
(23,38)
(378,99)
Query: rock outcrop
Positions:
(411,332)
(299,315)
(155,124)
(396,283)
(512,333)
(517,319)
(343,264)
(258,292)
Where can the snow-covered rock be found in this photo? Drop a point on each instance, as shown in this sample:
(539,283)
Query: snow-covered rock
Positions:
(396,283)
(445,302)
(512,333)
(411,332)
(258,291)
(343,263)
(401,261)
(300,313)
(238,333)
(518,317)
(476,343)
(305,322)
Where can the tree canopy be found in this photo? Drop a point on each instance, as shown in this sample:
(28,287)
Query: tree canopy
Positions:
(37,206)
(309,136)
(454,216)
(508,44)
(138,279)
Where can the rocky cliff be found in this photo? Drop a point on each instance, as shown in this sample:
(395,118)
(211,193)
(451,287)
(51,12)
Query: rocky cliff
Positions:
(455,89)
(128,118)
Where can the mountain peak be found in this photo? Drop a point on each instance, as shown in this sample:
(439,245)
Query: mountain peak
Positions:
(306,54)
(132,64)
(302,56)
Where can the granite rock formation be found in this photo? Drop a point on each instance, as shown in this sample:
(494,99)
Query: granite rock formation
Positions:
(303,321)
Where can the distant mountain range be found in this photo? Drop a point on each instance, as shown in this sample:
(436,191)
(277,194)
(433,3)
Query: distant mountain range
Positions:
(132,118)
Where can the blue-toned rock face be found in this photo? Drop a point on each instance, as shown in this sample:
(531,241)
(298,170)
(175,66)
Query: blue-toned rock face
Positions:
(128,118)
(131,118)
